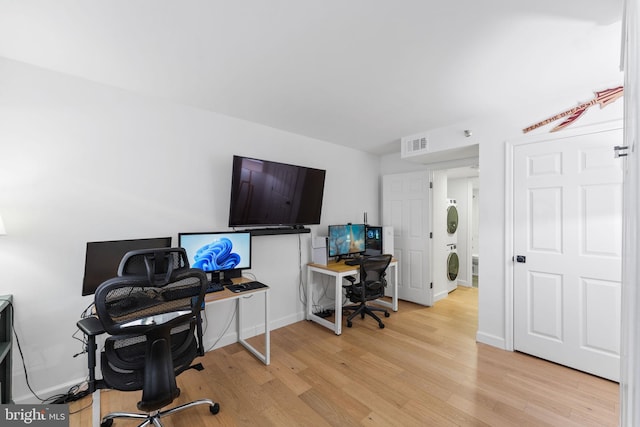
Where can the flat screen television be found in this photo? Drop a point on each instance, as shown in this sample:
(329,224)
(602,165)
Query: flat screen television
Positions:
(266,193)
(103,258)
(345,240)
(223,254)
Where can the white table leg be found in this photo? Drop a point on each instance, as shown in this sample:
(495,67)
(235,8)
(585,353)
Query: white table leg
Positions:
(338,306)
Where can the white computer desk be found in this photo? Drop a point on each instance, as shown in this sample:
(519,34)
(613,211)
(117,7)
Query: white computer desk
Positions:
(339,270)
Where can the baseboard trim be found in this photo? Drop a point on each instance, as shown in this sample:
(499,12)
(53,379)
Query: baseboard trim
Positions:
(492,340)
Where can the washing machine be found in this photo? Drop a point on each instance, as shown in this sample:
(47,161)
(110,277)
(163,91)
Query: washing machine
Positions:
(452,220)
(453,262)
(453,266)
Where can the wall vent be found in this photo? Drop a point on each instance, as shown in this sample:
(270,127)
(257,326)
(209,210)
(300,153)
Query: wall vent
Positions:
(413,145)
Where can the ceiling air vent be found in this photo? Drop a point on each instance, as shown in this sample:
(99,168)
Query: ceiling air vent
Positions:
(413,145)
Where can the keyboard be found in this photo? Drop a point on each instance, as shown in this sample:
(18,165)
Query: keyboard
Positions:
(246,286)
(214,287)
(354,261)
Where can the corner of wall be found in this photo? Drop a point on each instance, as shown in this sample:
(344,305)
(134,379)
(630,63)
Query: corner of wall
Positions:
(491,340)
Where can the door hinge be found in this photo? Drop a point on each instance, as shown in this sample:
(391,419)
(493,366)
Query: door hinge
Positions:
(620,151)
(431,285)
(431,185)
(431,235)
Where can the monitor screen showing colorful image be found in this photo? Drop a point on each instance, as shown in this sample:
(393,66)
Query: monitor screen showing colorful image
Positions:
(217,251)
(346,239)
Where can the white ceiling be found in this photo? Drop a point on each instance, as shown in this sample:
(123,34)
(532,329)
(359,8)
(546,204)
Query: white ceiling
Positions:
(361,73)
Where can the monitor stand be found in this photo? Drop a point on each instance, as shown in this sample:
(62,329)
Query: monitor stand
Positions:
(349,256)
(224,277)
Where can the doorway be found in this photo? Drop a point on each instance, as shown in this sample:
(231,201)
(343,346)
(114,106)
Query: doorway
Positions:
(455,188)
(415,204)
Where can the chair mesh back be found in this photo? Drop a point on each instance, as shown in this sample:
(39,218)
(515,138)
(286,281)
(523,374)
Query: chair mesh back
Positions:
(372,274)
(130,305)
(142,299)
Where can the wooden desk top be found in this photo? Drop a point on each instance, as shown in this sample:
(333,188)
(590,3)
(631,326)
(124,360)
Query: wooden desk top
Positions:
(334,266)
(226,293)
(340,266)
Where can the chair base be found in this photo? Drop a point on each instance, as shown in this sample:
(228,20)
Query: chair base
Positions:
(363,310)
(154,417)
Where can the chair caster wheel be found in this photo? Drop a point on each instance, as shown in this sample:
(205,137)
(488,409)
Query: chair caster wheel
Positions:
(107,423)
(349,324)
(381,325)
(215,408)
(386,314)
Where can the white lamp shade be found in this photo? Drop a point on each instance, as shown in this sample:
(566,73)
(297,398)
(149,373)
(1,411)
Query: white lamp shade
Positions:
(2,230)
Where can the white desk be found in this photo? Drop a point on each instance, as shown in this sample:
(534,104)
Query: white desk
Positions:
(339,270)
(240,297)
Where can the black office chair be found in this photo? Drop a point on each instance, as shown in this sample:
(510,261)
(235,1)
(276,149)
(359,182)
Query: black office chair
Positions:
(373,270)
(152,312)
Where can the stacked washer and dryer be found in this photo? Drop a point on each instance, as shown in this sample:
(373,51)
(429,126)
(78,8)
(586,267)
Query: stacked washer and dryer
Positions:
(453,262)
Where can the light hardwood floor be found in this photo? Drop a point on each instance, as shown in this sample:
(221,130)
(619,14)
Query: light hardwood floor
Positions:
(424,369)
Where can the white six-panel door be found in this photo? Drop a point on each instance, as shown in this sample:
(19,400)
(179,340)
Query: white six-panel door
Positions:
(405,206)
(567,241)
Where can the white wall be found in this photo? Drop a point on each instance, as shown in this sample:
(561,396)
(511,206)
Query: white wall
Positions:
(84,162)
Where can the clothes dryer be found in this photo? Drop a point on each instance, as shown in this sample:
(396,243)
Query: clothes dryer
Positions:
(452,222)
(453,267)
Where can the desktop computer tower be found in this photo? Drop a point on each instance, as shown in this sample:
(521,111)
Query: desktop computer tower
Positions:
(387,239)
(319,250)
(378,240)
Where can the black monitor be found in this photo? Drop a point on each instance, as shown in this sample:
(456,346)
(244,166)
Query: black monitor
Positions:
(345,240)
(222,254)
(103,258)
(373,240)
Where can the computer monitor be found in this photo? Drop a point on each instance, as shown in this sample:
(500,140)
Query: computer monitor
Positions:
(373,240)
(345,240)
(103,258)
(222,254)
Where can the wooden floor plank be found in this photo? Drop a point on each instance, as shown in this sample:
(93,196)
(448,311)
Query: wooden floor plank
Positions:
(423,368)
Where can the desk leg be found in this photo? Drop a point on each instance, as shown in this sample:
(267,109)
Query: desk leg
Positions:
(266,357)
(394,298)
(338,306)
(394,291)
(335,326)
(267,336)
(309,294)
(95,408)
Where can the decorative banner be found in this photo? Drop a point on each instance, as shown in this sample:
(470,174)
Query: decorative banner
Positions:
(603,98)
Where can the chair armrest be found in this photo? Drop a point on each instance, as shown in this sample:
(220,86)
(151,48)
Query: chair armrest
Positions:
(351,279)
(90,326)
